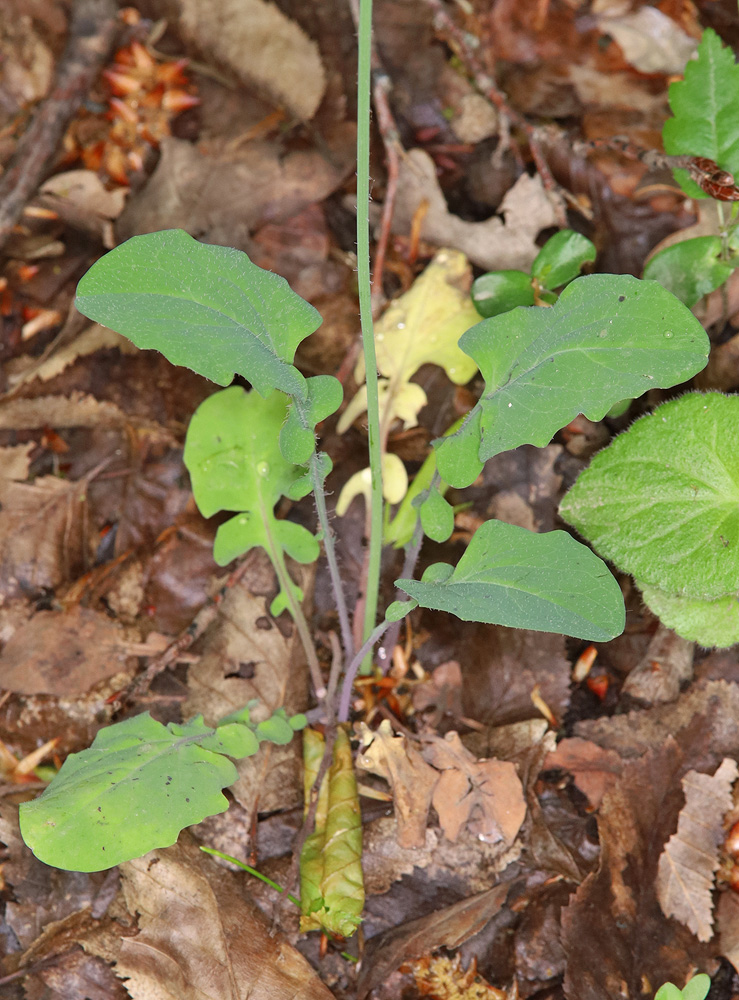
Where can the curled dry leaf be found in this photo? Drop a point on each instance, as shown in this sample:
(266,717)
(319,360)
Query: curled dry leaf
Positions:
(690,858)
(412,780)
(200,937)
(491,244)
(666,666)
(486,794)
(594,769)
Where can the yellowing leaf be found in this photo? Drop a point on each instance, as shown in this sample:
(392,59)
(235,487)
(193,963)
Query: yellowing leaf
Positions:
(421,327)
(394,483)
(331,881)
(690,858)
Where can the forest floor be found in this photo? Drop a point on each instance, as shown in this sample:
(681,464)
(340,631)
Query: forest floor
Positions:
(105,562)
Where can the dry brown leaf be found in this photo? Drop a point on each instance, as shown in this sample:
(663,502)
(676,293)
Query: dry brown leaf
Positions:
(258,43)
(667,666)
(446,928)
(15,461)
(222,195)
(42,534)
(492,244)
(412,780)
(76,410)
(593,768)
(486,794)
(690,858)
(727,925)
(64,653)
(246,655)
(200,938)
(650,40)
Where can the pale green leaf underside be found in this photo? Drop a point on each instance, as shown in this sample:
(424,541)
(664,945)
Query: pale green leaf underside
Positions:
(511,576)
(704,105)
(662,501)
(608,338)
(205,307)
(690,269)
(709,623)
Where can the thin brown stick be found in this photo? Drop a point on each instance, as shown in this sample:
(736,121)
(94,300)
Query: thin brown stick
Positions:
(92,32)
(489,89)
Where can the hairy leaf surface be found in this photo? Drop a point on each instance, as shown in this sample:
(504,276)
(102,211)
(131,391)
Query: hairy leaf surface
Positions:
(662,500)
(511,576)
(608,338)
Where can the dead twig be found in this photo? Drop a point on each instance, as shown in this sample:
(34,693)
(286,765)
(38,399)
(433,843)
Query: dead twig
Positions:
(92,33)
(489,89)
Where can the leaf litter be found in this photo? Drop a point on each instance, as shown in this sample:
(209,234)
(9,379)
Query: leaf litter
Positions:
(543,861)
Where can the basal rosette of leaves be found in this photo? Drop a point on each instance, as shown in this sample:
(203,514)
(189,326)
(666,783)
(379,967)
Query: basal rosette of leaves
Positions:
(662,503)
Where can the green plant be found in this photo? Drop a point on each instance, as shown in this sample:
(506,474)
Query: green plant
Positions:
(662,503)
(606,338)
(559,261)
(695,989)
(704,125)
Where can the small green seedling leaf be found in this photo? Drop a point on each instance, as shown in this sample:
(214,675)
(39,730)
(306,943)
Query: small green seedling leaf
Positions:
(697,988)
(662,500)
(205,307)
(562,258)
(704,106)
(690,269)
(399,609)
(514,577)
(709,623)
(331,880)
(500,291)
(233,455)
(609,337)
(134,789)
(437,517)
(297,437)
(668,992)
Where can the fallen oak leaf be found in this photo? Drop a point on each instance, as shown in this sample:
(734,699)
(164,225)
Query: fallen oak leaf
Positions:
(690,858)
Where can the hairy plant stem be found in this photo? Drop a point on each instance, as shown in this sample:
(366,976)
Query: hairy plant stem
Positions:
(329,548)
(351,671)
(285,581)
(371,582)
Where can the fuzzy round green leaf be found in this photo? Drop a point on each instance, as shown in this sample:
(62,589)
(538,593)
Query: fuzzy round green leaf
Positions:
(668,992)
(704,104)
(662,501)
(709,623)
(690,269)
(500,291)
(514,577)
(205,307)
(297,437)
(609,337)
(562,258)
(697,988)
(134,789)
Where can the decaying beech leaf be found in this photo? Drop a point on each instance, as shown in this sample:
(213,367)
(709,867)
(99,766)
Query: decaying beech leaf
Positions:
(200,938)
(690,858)
(331,881)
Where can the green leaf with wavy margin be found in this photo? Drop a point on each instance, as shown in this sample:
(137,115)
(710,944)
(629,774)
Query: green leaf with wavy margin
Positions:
(205,307)
(704,106)
(136,787)
(662,500)
(514,577)
(233,455)
(608,338)
(709,623)
(690,269)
